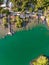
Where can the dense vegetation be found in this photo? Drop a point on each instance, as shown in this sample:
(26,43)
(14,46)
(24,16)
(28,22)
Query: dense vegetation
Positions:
(42,60)
(1,1)
(31,5)
(23,6)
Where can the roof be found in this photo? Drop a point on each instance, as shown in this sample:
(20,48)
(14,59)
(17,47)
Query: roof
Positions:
(3,5)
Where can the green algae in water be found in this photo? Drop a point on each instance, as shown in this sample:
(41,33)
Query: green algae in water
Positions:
(24,46)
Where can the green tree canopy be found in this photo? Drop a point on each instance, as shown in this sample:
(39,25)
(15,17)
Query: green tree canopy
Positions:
(42,60)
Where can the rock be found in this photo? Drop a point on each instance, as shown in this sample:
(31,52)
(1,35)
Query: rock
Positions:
(9,33)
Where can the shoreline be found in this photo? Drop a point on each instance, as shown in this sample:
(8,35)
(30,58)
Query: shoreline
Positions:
(18,30)
(11,29)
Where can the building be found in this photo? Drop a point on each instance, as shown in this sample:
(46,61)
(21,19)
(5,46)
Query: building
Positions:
(7,3)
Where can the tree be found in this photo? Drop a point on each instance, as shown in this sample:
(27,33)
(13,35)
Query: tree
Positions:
(1,1)
(42,60)
(5,22)
(14,2)
(5,11)
(18,22)
(22,5)
(40,4)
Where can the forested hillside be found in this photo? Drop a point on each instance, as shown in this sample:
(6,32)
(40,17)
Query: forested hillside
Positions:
(31,5)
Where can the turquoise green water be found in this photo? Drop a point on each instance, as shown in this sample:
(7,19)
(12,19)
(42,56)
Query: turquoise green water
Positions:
(24,46)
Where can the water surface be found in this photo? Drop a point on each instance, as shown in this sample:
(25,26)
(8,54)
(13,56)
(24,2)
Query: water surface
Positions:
(24,46)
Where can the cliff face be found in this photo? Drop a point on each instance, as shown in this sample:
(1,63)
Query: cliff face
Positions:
(41,60)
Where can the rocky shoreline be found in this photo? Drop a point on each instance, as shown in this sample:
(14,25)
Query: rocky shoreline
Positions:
(9,24)
(6,31)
